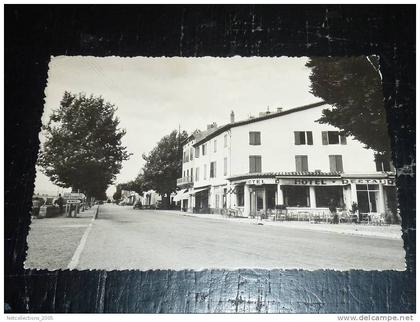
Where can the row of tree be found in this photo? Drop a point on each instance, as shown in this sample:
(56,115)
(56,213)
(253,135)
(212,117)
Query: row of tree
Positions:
(162,168)
(83,147)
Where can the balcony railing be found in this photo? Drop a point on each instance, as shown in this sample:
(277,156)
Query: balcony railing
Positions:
(184,181)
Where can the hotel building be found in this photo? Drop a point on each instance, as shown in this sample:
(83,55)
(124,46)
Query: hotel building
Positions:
(281,158)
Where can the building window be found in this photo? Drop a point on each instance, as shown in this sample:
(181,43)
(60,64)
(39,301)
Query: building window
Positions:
(217,201)
(383,163)
(323,196)
(225,140)
(254,163)
(205,172)
(191,153)
(185,157)
(225,166)
(215,145)
(296,196)
(184,173)
(302,137)
(301,163)
(204,149)
(336,163)
(188,173)
(383,166)
(255,138)
(333,137)
(367,197)
(197,174)
(213,169)
(197,152)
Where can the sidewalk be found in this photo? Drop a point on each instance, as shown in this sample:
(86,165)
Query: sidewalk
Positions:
(53,241)
(388,231)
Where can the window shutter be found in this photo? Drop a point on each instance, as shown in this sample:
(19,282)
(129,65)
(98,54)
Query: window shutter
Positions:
(302,138)
(258,164)
(324,137)
(298,163)
(333,166)
(297,138)
(304,163)
(251,138)
(310,138)
(258,138)
(343,139)
(251,164)
(339,163)
(378,164)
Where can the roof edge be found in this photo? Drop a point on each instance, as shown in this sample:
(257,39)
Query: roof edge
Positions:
(257,119)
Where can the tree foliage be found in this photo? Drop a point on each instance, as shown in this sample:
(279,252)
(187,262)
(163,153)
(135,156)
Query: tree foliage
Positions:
(83,148)
(352,85)
(163,164)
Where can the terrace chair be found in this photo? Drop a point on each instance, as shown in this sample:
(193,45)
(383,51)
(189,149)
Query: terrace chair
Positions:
(378,219)
(366,219)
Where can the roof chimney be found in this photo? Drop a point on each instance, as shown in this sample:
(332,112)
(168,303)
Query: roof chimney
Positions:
(232,117)
(211,126)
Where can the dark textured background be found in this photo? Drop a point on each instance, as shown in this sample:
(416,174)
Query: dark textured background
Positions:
(34,33)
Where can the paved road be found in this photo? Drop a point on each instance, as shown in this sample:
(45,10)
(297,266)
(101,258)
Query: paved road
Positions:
(123,238)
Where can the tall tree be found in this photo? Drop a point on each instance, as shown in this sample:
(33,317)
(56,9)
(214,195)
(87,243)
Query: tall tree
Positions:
(352,85)
(83,148)
(163,165)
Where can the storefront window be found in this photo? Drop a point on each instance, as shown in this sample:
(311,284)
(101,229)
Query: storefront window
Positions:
(240,196)
(259,194)
(367,197)
(271,197)
(323,196)
(296,196)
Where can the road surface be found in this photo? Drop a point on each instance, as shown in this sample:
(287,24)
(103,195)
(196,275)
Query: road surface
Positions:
(123,238)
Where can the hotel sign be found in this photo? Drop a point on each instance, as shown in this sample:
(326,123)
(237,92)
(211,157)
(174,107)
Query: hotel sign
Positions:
(259,182)
(334,182)
(387,182)
(319,181)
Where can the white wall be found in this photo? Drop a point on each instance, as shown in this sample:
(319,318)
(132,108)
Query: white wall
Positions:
(278,147)
(218,156)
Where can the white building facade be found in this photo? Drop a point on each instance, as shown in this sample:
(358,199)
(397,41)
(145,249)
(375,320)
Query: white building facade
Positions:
(281,158)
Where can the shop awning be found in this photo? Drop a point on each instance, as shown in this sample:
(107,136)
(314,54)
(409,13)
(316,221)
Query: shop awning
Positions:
(181,194)
(199,190)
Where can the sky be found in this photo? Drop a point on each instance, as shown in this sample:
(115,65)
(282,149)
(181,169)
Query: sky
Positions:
(157,95)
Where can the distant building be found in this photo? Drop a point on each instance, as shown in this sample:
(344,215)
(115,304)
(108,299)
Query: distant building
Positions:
(148,198)
(281,158)
(129,197)
(151,198)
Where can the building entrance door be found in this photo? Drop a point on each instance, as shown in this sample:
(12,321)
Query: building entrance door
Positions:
(257,201)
